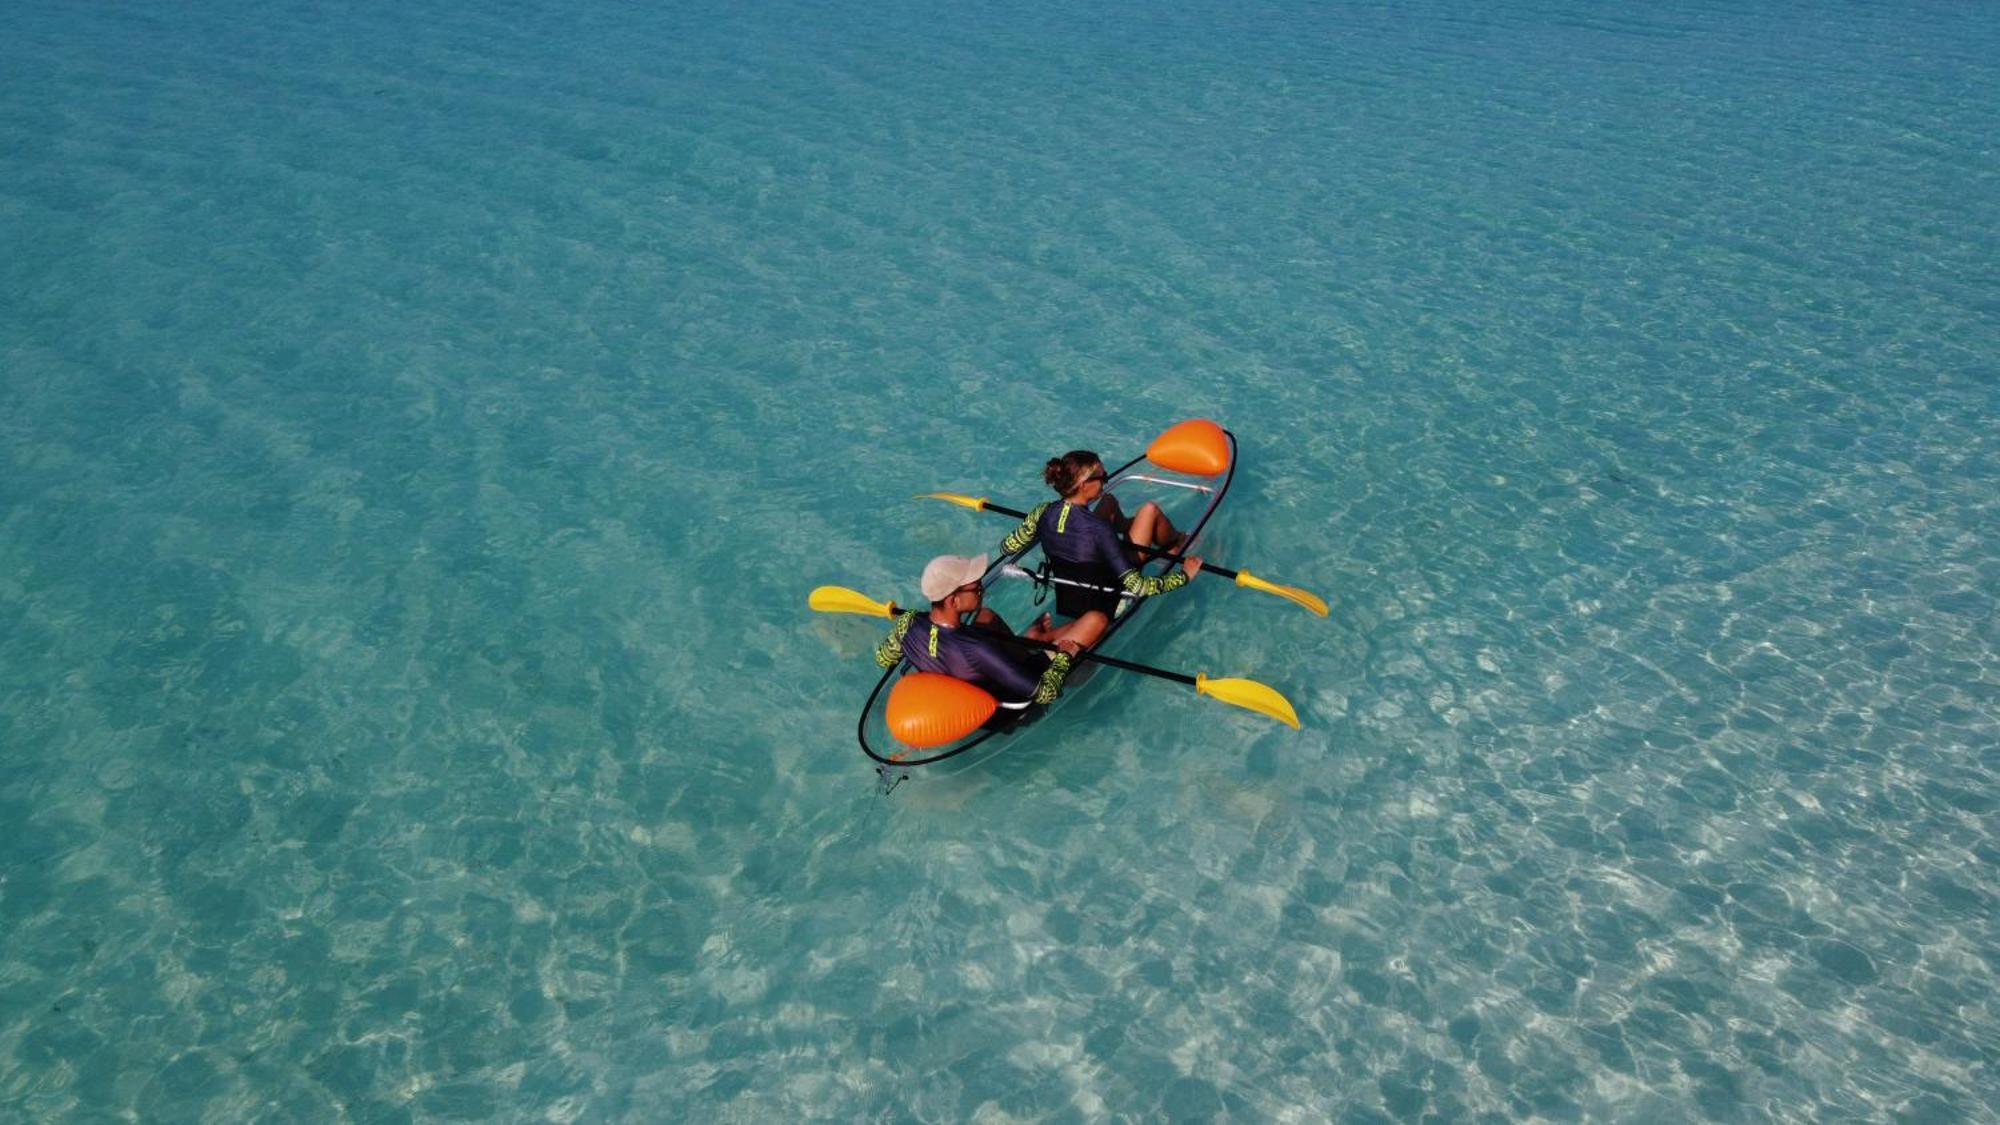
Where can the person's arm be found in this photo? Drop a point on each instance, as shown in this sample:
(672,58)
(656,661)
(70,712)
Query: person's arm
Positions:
(1110,511)
(890,651)
(1110,553)
(1146,585)
(1020,538)
(1050,685)
(1010,673)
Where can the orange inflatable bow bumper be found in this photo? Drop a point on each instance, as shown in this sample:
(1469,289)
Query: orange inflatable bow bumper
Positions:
(927,709)
(1197,447)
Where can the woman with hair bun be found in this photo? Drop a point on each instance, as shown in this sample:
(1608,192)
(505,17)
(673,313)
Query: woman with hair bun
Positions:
(1080,535)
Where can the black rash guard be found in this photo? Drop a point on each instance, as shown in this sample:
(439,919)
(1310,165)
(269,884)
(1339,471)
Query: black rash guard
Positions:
(977,658)
(1083,546)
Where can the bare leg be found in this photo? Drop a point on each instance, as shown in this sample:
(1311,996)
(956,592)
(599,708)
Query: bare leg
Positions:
(1085,630)
(1152,528)
(1113,513)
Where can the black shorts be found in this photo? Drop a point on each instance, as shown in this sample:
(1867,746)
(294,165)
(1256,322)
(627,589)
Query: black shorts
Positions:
(1075,601)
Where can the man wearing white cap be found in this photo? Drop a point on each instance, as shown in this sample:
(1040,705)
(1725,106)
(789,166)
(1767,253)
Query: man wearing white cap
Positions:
(957,637)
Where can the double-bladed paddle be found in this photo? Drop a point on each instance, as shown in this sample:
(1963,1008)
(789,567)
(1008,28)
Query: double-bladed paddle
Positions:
(1244,578)
(1247,694)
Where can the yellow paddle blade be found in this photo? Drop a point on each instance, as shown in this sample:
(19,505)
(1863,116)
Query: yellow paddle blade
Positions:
(840,599)
(976,503)
(1305,598)
(1249,695)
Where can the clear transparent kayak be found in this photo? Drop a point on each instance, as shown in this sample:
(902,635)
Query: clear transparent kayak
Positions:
(1019,588)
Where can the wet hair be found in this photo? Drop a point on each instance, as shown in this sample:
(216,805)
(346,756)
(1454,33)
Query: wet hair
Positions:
(1064,472)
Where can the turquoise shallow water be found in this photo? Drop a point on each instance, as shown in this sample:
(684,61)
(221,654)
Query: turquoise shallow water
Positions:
(419,428)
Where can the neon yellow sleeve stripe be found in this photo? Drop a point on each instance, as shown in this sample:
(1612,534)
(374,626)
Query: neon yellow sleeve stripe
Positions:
(1052,680)
(1146,585)
(1019,539)
(890,651)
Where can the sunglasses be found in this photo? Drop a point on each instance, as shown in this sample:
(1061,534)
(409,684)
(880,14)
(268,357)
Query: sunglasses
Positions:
(1099,475)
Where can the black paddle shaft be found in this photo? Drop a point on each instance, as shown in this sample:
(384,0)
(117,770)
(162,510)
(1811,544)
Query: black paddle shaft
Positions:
(1156,552)
(1086,654)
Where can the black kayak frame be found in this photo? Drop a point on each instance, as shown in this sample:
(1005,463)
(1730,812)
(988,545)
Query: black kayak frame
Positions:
(994,573)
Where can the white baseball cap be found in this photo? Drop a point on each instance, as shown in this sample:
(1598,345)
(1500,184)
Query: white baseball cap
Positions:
(946,573)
